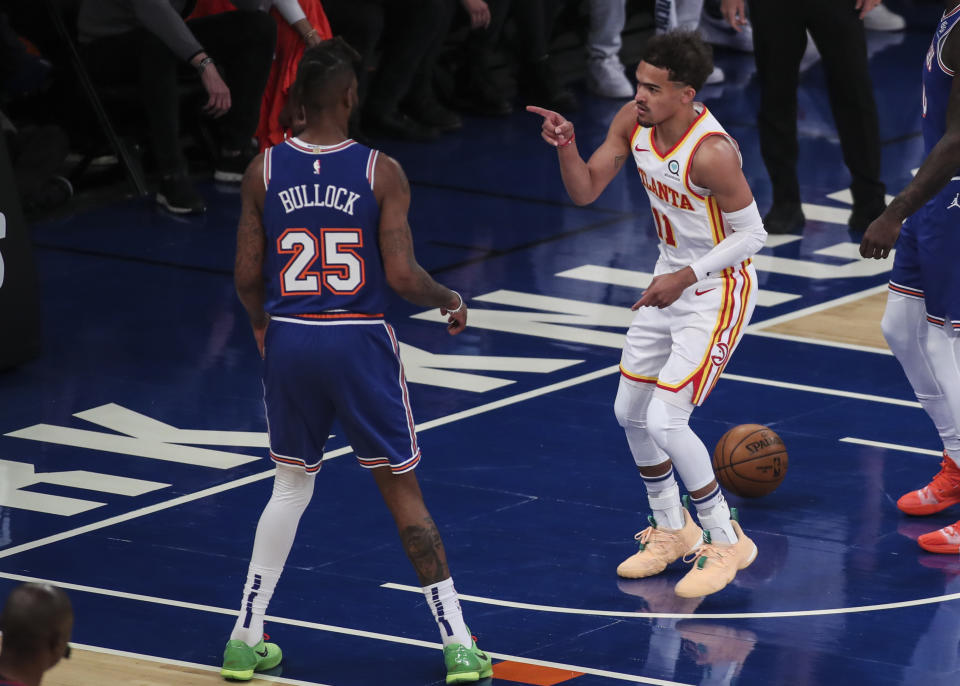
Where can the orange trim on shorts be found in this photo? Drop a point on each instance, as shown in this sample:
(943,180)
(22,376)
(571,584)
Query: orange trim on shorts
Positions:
(340,315)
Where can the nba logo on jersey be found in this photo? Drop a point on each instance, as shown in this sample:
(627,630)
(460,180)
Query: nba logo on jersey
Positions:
(316,166)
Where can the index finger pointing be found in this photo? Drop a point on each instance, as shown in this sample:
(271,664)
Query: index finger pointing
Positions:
(546,114)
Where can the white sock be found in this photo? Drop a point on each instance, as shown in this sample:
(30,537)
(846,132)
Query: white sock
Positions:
(663,495)
(714,515)
(443,602)
(292,490)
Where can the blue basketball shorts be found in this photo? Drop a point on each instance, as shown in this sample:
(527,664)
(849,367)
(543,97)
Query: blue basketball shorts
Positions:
(925,265)
(318,370)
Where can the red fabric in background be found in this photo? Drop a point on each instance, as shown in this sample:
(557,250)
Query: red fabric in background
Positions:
(284,69)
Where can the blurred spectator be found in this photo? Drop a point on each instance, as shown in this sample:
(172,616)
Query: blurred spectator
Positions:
(684,15)
(36,622)
(537,80)
(37,152)
(148,44)
(414,26)
(605,72)
(779,39)
(300,24)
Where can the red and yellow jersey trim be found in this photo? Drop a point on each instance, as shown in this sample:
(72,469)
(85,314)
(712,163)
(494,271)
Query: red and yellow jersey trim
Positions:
(683,138)
(726,332)
(693,154)
(637,377)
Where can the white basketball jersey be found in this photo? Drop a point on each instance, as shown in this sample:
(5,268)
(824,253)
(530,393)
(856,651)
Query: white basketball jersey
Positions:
(686,216)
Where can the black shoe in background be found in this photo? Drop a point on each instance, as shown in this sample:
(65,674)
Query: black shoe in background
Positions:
(431,113)
(863,215)
(397,125)
(476,94)
(177,195)
(784,218)
(541,86)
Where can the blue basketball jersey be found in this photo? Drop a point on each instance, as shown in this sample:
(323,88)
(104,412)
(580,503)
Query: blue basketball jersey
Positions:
(322,226)
(937,81)
(928,244)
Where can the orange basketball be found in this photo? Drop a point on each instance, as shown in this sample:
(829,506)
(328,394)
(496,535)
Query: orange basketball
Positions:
(750,460)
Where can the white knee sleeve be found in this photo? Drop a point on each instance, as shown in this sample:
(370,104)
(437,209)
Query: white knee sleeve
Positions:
(905,327)
(630,408)
(668,426)
(943,351)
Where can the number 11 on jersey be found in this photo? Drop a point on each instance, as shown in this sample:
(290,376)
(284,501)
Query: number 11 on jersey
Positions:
(664,228)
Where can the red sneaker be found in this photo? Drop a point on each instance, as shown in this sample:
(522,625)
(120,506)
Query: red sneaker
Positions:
(939,494)
(945,540)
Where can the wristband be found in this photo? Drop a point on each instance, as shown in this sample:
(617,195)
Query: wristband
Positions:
(572,139)
(308,34)
(461,304)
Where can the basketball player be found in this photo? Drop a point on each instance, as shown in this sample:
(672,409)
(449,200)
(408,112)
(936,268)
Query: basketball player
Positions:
(323,237)
(36,622)
(691,317)
(922,319)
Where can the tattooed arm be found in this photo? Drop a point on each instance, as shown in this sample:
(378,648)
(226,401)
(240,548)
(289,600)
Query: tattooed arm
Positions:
(248,267)
(585,181)
(937,170)
(404,274)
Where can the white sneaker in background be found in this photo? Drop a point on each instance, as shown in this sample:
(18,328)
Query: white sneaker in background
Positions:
(716,76)
(606,77)
(882,19)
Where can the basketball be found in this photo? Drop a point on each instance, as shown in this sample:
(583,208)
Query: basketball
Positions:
(750,460)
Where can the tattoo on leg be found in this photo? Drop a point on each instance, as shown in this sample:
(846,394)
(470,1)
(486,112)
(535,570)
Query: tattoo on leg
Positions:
(424,547)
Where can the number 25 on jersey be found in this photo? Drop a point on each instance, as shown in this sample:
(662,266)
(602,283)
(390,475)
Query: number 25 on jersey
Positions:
(342,270)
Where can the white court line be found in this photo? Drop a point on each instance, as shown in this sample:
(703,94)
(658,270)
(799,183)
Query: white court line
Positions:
(425,426)
(181,663)
(820,341)
(790,316)
(337,630)
(821,390)
(892,446)
(680,615)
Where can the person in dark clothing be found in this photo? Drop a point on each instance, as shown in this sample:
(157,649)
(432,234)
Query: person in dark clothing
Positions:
(779,39)
(36,622)
(148,43)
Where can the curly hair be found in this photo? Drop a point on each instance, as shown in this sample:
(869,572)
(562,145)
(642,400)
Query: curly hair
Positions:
(685,55)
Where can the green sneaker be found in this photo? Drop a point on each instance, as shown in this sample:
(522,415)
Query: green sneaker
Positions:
(240,661)
(466,664)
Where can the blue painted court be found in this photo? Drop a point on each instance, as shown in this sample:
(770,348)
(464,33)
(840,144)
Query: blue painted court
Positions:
(134,450)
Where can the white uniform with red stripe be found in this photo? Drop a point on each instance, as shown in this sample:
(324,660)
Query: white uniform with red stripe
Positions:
(683,348)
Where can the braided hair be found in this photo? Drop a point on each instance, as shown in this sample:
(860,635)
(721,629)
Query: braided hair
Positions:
(324,72)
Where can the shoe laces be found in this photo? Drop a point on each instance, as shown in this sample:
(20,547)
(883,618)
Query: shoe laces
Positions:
(708,551)
(948,478)
(654,536)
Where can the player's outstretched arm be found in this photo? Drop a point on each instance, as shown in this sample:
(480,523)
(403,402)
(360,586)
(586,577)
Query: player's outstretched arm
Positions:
(716,167)
(937,169)
(251,242)
(585,181)
(404,274)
